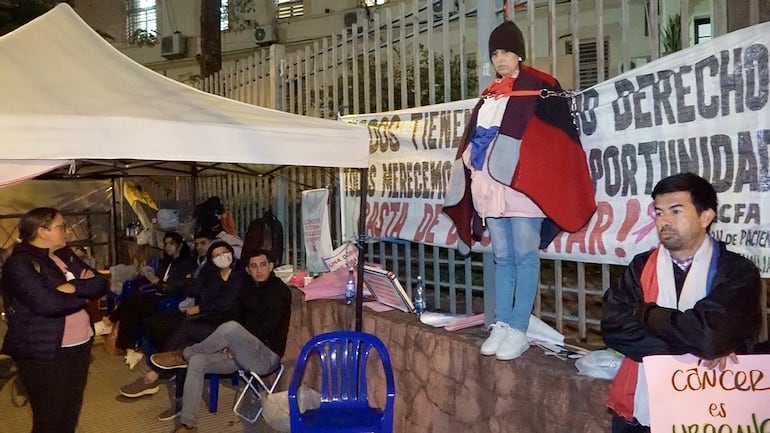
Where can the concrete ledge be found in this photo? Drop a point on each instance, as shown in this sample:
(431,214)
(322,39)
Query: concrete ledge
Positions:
(444,385)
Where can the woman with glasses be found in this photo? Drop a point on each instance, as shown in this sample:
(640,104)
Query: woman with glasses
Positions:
(49,333)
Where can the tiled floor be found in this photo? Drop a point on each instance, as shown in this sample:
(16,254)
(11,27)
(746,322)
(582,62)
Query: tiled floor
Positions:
(104,412)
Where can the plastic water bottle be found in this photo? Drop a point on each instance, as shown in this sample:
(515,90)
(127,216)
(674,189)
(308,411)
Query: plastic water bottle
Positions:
(419,297)
(350,288)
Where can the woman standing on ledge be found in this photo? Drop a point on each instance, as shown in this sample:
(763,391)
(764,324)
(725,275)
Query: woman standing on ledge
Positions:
(49,331)
(521,173)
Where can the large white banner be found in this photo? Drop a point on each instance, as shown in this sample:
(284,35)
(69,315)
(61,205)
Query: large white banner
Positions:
(702,110)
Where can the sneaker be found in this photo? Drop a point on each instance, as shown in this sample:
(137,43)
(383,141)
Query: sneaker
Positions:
(168,414)
(513,345)
(181,428)
(132,358)
(101,329)
(169,360)
(497,332)
(139,387)
(167,375)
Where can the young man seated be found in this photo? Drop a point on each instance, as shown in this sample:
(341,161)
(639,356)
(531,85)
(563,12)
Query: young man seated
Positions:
(254,340)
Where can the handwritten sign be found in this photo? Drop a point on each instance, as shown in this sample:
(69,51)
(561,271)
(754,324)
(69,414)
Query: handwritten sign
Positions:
(687,398)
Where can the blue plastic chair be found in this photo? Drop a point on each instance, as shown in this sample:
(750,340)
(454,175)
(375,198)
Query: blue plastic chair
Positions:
(213,379)
(345,405)
(214,388)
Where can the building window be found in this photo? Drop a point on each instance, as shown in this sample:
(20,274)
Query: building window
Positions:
(224,16)
(589,59)
(702,29)
(288,9)
(142,20)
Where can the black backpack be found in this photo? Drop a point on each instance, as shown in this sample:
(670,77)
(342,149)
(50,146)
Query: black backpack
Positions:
(265,233)
(208,215)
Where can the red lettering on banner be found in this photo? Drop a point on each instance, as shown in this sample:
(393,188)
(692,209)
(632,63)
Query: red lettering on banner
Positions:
(633,209)
(386,219)
(604,217)
(397,223)
(451,235)
(578,238)
(430,219)
(592,238)
(370,212)
(379,214)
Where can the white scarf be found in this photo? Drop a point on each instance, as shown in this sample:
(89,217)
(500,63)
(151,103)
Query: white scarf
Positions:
(694,288)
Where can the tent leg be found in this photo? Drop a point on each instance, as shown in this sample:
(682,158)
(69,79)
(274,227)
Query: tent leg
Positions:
(364,173)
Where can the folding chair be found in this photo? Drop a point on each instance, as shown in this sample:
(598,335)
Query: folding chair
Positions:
(257,384)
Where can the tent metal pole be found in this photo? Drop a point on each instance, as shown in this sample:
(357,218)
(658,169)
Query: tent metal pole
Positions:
(115,228)
(364,173)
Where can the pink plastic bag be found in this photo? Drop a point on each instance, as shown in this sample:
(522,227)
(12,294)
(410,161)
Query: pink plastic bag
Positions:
(298,279)
(330,285)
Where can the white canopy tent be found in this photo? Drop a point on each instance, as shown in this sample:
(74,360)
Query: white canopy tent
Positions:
(69,97)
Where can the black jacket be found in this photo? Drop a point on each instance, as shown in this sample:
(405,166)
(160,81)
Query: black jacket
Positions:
(264,309)
(726,320)
(35,309)
(215,296)
(179,276)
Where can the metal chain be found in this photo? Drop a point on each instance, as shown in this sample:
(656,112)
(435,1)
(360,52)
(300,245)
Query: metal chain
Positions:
(572,95)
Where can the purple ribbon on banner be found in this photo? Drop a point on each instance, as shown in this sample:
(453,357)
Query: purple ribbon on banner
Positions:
(644,231)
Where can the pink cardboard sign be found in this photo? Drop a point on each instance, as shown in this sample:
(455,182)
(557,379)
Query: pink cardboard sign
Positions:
(687,398)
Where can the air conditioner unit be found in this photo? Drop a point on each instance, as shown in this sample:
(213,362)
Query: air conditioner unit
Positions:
(264,34)
(438,7)
(173,46)
(356,17)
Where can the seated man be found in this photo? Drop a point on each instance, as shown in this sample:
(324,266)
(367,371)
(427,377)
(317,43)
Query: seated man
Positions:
(255,340)
(689,295)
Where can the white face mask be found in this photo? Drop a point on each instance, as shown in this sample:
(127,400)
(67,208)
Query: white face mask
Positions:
(223,261)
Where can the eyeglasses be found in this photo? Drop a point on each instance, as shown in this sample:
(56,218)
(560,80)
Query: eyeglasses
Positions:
(63,227)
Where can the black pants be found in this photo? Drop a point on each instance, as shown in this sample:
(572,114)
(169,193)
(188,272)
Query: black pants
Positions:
(130,313)
(159,327)
(620,425)
(55,388)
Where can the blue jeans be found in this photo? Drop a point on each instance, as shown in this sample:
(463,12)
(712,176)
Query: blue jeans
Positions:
(249,353)
(515,245)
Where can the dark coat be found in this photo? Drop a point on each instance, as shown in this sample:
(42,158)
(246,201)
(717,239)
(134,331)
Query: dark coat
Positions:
(264,309)
(215,296)
(35,309)
(179,276)
(726,320)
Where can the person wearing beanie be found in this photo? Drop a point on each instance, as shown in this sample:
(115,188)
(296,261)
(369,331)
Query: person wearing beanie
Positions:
(518,153)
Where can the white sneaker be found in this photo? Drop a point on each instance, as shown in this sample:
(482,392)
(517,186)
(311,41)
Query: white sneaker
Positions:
(132,358)
(513,345)
(101,329)
(497,333)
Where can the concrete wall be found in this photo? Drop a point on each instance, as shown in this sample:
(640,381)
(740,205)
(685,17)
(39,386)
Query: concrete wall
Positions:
(444,385)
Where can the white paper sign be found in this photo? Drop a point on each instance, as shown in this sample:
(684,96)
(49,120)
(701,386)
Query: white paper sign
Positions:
(315,228)
(687,398)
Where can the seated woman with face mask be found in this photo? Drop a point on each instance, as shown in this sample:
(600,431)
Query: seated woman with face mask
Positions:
(214,291)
